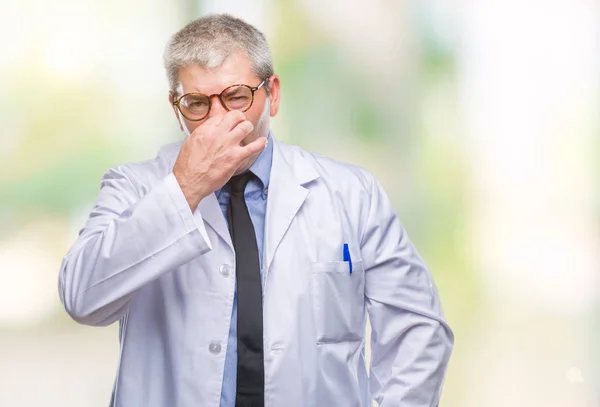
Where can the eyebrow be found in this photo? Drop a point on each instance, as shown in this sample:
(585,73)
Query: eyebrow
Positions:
(196,90)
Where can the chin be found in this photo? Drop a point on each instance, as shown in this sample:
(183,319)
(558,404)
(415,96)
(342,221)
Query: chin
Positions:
(240,170)
(249,139)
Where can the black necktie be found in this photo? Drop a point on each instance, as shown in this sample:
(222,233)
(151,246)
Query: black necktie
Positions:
(250,365)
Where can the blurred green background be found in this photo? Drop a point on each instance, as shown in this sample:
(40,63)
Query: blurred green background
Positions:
(480,118)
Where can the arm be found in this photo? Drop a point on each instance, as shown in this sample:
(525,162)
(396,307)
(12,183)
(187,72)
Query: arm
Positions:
(126,243)
(410,342)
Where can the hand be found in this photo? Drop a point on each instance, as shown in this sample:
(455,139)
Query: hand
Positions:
(212,153)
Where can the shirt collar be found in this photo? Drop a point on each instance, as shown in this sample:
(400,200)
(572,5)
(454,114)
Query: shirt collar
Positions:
(262,165)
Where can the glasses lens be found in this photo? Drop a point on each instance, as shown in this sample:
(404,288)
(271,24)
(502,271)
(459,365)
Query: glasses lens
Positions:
(194,106)
(237,97)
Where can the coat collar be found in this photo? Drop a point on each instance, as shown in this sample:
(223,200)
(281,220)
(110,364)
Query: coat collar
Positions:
(291,171)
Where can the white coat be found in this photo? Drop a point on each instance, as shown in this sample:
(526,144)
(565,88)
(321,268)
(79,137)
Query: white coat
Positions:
(167,275)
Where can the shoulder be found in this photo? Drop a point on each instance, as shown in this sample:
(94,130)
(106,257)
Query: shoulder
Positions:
(340,191)
(331,171)
(144,174)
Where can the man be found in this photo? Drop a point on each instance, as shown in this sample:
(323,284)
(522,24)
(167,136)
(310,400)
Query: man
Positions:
(240,268)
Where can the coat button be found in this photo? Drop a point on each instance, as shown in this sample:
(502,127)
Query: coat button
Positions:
(214,348)
(224,270)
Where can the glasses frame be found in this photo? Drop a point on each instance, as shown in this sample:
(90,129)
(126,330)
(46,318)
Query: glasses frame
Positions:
(177,101)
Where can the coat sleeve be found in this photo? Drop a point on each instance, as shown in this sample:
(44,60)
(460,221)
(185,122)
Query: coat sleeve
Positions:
(410,341)
(126,243)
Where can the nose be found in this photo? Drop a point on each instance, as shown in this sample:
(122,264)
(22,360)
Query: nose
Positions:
(216,108)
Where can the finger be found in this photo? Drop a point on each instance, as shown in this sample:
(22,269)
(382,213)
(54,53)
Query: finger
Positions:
(253,148)
(240,131)
(213,121)
(232,119)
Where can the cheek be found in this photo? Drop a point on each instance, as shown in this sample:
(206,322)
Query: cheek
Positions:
(253,118)
(256,112)
(191,126)
(260,117)
(194,125)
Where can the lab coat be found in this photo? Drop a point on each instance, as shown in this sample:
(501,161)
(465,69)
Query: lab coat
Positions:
(168,276)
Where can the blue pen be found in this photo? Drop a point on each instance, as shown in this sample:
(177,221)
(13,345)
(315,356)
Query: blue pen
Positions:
(347,256)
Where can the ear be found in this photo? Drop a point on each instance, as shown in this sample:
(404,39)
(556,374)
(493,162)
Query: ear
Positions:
(171,102)
(275,92)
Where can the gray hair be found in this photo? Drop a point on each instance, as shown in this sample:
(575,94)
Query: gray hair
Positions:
(210,40)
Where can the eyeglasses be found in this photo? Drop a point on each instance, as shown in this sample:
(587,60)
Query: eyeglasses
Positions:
(196,106)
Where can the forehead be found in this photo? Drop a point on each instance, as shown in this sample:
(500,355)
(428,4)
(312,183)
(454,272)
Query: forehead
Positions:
(236,69)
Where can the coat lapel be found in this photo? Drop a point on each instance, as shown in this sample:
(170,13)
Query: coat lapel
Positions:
(290,171)
(209,207)
(211,213)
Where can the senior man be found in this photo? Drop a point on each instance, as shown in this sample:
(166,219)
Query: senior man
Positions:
(241,269)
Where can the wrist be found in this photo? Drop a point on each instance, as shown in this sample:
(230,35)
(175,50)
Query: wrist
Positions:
(192,192)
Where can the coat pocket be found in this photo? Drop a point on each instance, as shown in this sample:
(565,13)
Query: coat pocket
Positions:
(338,299)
